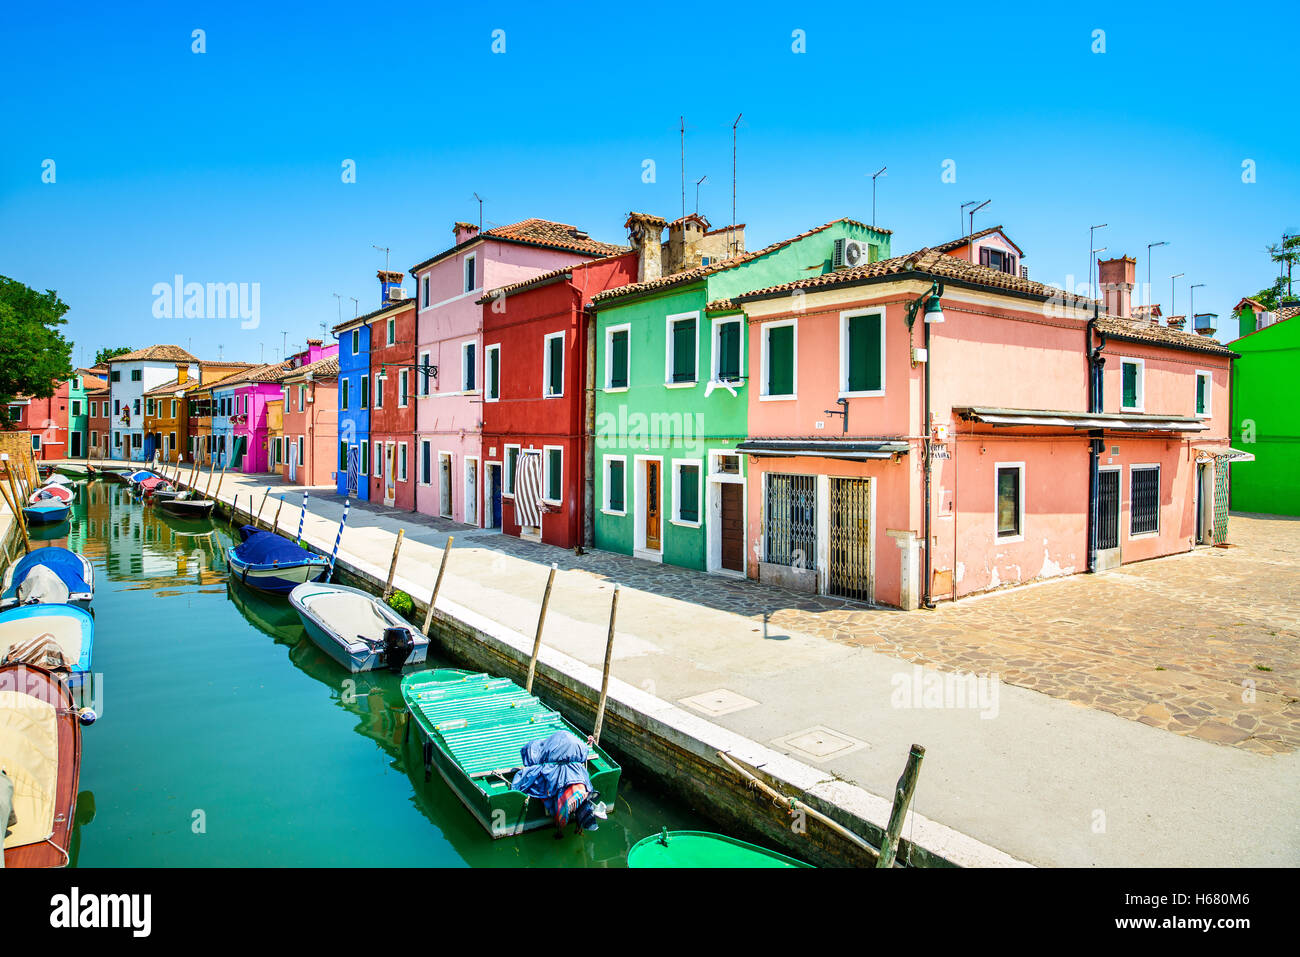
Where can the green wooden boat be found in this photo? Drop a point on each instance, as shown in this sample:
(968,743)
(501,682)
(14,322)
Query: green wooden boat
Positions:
(702,849)
(472,727)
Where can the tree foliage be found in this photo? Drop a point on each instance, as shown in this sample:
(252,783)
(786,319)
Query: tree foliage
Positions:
(103,355)
(35,356)
(1286,254)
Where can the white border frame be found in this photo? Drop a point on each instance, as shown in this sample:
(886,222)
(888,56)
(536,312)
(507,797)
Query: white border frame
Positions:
(422,445)
(403,466)
(843,390)
(546,478)
(1141,384)
(676,519)
(998,537)
(605,486)
(469,265)
(716,335)
(464,482)
(1209,394)
(465,389)
(763,394)
(639,548)
(609,357)
(1136,466)
(668,350)
(507,478)
(546,365)
(451,492)
(487,350)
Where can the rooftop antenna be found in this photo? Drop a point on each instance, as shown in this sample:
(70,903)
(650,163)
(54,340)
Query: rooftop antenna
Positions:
(284,342)
(220,351)
(697,192)
(356,306)
(880,172)
(340,299)
(1151,246)
(480,211)
(731,240)
(683,132)
(261,355)
(322,331)
(1192,307)
(385,250)
(1173,288)
(1091,258)
(970,214)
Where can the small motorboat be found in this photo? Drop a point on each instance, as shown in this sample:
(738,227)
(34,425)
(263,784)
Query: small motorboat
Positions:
(476,730)
(58,638)
(40,750)
(702,849)
(356,629)
(47,513)
(270,563)
(58,478)
(52,494)
(186,507)
(52,575)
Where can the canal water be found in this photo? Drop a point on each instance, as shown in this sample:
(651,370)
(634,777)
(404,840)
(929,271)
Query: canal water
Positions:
(227,738)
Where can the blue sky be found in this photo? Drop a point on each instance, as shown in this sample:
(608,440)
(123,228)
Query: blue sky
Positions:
(226,166)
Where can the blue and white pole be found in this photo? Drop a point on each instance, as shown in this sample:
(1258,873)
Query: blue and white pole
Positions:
(338,538)
(302,516)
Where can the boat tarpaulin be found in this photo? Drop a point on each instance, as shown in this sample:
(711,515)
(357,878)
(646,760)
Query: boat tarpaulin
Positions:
(263,548)
(550,766)
(65,564)
(528,489)
(152,483)
(42,586)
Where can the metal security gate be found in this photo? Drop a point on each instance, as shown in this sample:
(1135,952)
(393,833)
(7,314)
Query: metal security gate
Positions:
(849,547)
(1107,509)
(790,507)
(1220,532)
(354,469)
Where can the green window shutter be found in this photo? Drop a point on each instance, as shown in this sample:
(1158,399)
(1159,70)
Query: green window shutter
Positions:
(555,366)
(553,473)
(512,459)
(343,456)
(618,361)
(729,347)
(365,458)
(1200,395)
(616,486)
(365,392)
(864,353)
(780,360)
(494,373)
(1130,385)
(688,505)
(684,350)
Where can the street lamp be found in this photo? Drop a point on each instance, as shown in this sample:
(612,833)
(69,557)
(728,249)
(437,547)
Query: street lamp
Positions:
(1093,252)
(1172,289)
(1192,289)
(1151,246)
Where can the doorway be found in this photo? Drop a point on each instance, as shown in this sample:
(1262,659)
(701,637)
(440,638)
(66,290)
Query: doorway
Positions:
(732,527)
(493,495)
(647,530)
(390,473)
(444,484)
(75,439)
(471,490)
(293,461)
(849,539)
(1108,504)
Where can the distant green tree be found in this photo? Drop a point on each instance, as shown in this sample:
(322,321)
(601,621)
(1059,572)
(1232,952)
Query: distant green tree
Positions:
(1286,254)
(35,357)
(103,355)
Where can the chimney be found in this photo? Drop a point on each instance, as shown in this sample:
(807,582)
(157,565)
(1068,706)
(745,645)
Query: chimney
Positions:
(1177,322)
(1205,323)
(1115,277)
(685,243)
(390,287)
(182,373)
(463,231)
(645,235)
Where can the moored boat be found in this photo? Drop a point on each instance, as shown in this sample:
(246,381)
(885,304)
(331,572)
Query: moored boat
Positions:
(40,750)
(356,629)
(690,849)
(59,638)
(73,571)
(473,728)
(47,513)
(187,507)
(51,494)
(270,563)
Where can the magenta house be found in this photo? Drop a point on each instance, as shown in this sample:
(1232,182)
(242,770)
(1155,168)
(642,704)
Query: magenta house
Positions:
(252,391)
(451,464)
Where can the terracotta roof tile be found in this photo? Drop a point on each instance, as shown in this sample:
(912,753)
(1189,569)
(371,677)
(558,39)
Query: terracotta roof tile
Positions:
(1140,330)
(534,232)
(323,368)
(366,317)
(163,353)
(961,241)
(546,277)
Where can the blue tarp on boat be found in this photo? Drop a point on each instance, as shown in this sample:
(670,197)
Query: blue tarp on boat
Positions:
(67,565)
(263,548)
(550,765)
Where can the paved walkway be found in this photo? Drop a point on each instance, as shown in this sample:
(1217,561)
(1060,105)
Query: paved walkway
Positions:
(1069,759)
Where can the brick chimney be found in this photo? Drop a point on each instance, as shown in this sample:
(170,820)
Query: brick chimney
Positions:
(1116,279)
(645,235)
(390,287)
(685,243)
(1205,323)
(182,373)
(463,231)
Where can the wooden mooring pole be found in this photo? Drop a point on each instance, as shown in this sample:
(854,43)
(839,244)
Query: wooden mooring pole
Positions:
(537,638)
(19,517)
(392,565)
(275,529)
(257,520)
(902,798)
(220,479)
(433,599)
(604,678)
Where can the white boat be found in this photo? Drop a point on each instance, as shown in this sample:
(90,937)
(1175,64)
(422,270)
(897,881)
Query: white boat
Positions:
(356,629)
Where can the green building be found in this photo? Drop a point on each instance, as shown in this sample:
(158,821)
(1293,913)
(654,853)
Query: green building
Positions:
(672,382)
(1266,409)
(78,412)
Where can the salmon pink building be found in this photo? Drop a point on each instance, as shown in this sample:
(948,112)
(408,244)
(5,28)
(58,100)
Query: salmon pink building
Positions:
(924,428)
(451,456)
(310,421)
(538,348)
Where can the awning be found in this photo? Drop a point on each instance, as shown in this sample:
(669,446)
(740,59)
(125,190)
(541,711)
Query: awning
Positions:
(853,450)
(1223,455)
(1125,422)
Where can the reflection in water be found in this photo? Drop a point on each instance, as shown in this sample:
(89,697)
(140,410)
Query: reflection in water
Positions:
(213,751)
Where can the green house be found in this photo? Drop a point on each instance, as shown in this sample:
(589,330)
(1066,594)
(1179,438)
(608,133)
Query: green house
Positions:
(1266,415)
(672,385)
(78,413)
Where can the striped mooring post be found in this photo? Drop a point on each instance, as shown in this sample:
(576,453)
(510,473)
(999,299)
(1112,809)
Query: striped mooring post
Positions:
(337,538)
(302,516)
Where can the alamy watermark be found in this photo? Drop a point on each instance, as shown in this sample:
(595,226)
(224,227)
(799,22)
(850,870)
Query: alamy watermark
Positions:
(922,688)
(214,300)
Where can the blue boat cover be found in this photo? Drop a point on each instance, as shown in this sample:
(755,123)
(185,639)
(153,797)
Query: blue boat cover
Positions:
(140,475)
(550,765)
(263,548)
(67,565)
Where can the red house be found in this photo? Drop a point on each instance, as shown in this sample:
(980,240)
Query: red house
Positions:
(46,420)
(536,357)
(393,384)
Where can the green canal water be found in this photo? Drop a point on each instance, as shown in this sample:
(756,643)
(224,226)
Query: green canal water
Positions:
(227,738)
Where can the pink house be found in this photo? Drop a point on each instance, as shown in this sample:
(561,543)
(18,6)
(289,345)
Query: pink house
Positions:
(449,454)
(924,428)
(261,384)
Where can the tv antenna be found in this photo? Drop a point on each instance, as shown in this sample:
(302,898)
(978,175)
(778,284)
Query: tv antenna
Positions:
(385,250)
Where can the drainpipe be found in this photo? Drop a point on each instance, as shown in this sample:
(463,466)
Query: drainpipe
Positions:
(1096,362)
(925,425)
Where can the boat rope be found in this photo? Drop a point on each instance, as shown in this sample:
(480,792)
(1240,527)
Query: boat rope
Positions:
(66,860)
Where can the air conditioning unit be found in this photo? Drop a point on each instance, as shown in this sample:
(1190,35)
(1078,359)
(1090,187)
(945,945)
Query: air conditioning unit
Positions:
(396,293)
(850,253)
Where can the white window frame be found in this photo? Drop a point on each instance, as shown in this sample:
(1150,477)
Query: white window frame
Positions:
(401,462)
(74,406)
(403,388)
(1141,384)
(464,484)
(609,356)
(345,392)
(487,394)
(845,316)
(546,365)
(507,475)
(377,390)
(999,538)
(668,350)
(763,395)
(424,291)
(546,473)
(390,331)
(363,459)
(1138,467)
(469,274)
(464,367)
(426,482)
(1208,376)
(356,342)
(676,518)
(716,352)
(605,503)
(36,441)
(422,375)
(377,463)
(302,450)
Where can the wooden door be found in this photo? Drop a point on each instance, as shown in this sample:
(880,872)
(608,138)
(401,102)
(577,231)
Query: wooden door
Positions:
(652,506)
(733,530)
(390,473)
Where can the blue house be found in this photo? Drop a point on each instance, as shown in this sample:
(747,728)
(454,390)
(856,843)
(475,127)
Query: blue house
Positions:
(223,432)
(354,406)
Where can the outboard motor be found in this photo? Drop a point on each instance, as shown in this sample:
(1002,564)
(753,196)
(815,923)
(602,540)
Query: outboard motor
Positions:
(398,646)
